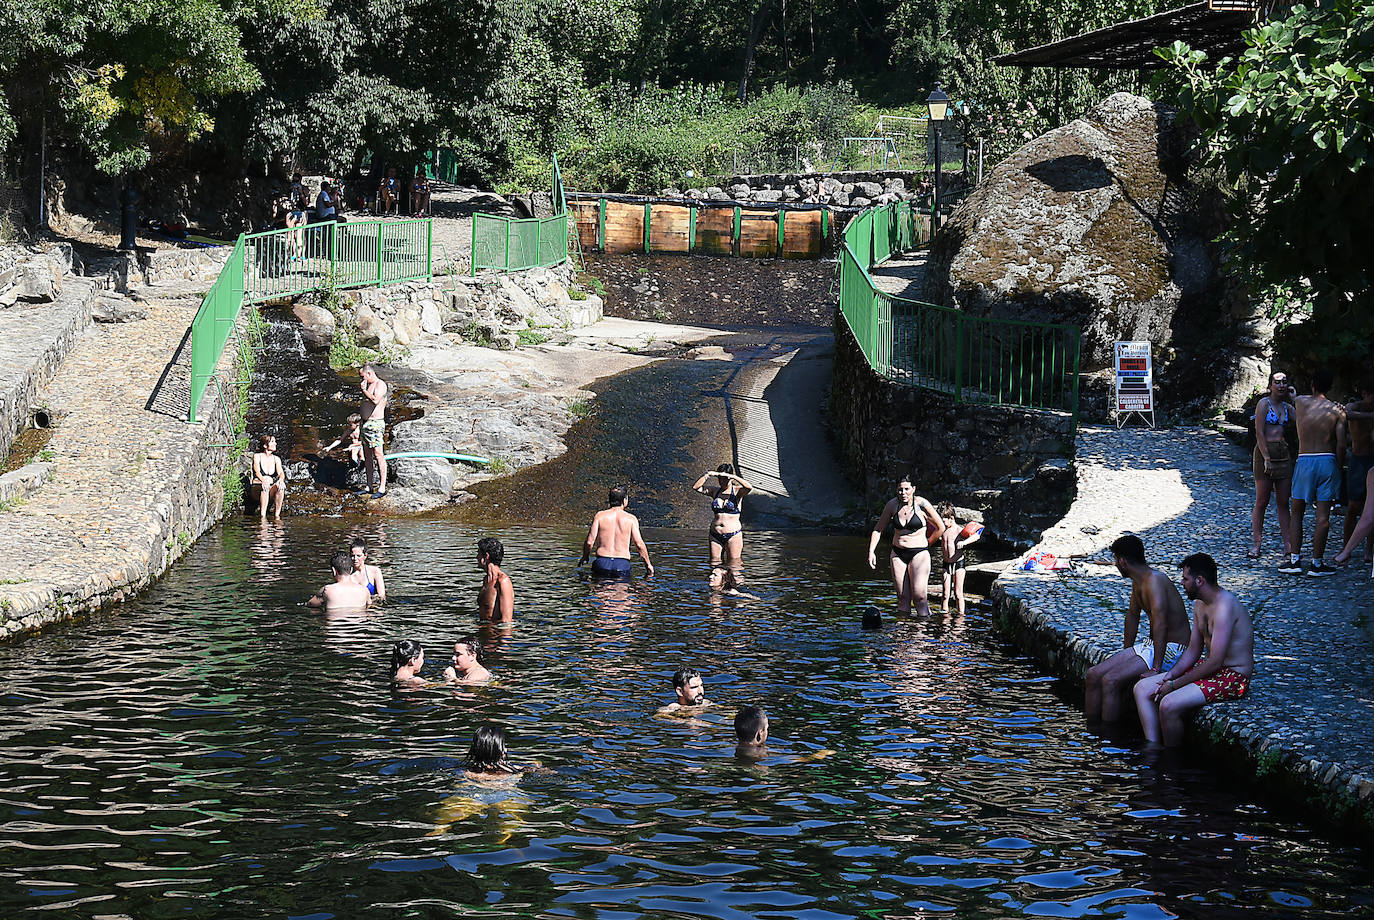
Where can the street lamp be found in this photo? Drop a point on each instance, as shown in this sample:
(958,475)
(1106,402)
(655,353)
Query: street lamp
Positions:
(937,103)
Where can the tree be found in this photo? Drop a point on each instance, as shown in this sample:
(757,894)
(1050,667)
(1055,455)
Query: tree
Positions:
(1289,124)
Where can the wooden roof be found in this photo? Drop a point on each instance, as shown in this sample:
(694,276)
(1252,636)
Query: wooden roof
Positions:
(1211,27)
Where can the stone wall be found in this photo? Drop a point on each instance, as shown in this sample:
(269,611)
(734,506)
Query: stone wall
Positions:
(160,267)
(1012,466)
(36,339)
(841,189)
(189,502)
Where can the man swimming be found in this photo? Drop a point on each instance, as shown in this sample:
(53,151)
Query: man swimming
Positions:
(1215,668)
(496,597)
(344,593)
(467,667)
(690,692)
(609,538)
(751,733)
(1153,593)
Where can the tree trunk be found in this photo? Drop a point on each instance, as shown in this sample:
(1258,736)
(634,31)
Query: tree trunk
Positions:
(756,23)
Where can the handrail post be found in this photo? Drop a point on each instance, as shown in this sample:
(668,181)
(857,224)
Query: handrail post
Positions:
(381,226)
(472,263)
(429,248)
(959,334)
(507,264)
(1077,341)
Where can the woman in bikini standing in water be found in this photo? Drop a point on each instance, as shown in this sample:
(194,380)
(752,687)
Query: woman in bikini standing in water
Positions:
(726,535)
(369,576)
(910,514)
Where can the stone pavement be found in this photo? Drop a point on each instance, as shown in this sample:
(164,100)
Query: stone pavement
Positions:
(132,485)
(1308,721)
(903,275)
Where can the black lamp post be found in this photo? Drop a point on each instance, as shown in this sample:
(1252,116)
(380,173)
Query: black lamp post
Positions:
(937,103)
(128,215)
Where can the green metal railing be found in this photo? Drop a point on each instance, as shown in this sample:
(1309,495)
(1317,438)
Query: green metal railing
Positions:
(973,359)
(510,244)
(299,260)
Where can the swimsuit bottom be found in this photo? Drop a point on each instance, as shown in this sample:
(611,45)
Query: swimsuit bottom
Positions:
(960,563)
(1172,652)
(611,567)
(723,538)
(1224,685)
(374,431)
(907,554)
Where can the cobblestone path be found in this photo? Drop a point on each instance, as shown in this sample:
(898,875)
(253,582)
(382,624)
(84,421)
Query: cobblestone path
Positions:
(121,437)
(1311,704)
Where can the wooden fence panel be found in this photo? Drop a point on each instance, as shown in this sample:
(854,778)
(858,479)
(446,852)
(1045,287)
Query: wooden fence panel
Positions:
(585,213)
(802,235)
(715,231)
(624,227)
(758,234)
(669,226)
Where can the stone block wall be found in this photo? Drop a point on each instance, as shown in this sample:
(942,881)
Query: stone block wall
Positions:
(1011,465)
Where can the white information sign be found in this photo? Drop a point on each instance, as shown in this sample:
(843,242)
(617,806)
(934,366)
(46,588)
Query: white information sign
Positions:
(1133,386)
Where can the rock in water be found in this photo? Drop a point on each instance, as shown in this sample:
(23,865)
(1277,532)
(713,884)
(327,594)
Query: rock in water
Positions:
(317,325)
(1089,224)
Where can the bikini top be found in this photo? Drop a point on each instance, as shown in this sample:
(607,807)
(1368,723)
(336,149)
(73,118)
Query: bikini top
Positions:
(913,523)
(371,586)
(725,504)
(1272,417)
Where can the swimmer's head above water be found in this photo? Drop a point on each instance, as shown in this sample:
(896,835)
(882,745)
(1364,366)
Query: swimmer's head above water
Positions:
(751,729)
(491,549)
(488,751)
(723,578)
(407,653)
(873,618)
(469,650)
(341,563)
(687,683)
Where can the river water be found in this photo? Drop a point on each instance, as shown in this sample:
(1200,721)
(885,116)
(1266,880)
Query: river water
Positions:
(214,749)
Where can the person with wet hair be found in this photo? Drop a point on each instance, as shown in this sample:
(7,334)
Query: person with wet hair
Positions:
(407,657)
(496,597)
(467,665)
(726,582)
(610,536)
(872,618)
(914,524)
(690,692)
(751,733)
(344,594)
(369,576)
(725,536)
(487,756)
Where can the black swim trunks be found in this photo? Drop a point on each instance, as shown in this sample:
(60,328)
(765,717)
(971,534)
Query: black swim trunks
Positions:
(611,567)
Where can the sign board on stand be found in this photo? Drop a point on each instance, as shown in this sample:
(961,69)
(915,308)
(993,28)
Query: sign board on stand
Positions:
(1133,385)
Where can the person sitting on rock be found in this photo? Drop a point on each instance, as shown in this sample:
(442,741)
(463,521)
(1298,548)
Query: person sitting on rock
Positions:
(1153,593)
(1217,665)
(269,478)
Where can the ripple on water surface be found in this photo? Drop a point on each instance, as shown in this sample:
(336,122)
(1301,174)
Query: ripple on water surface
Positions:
(215,749)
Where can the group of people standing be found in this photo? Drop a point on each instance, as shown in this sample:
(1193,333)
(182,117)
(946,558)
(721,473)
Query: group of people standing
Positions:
(1327,432)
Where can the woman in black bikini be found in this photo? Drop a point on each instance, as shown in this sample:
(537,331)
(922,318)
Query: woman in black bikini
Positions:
(269,479)
(725,535)
(914,525)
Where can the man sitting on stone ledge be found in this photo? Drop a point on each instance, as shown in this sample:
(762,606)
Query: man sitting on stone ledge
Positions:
(1154,593)
(1217,666)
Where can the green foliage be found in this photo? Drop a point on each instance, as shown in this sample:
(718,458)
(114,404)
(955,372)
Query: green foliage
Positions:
(532,336)
(1289,124)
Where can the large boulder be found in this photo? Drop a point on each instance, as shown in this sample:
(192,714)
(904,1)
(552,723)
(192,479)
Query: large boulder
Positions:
(1094,223)
(317,325)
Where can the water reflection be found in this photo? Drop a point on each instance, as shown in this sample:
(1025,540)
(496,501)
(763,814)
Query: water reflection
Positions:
(214,747)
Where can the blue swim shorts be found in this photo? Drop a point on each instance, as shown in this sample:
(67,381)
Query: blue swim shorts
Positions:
(611,567)
(1316,478)
(1356,479)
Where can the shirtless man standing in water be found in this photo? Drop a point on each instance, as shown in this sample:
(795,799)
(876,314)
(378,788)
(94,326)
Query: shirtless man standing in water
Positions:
(496,598)
(1154,594)
(610,536)
(1217,666)
(373,411)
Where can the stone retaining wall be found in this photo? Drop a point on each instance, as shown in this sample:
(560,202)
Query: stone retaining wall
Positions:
(1011,465)
(196,459)
(37,338)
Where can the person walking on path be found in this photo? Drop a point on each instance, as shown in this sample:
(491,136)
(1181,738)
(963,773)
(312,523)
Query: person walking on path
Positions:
(496,597)
(373,411)
(269,477)
(725,536)
(1317,474)
(1217,666)
(911,536)
(1359,416)
(610,536)
(1272,463)
(1154,594)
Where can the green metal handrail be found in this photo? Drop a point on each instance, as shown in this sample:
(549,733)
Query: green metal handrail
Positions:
(300,260)
(510,244)
(974,359)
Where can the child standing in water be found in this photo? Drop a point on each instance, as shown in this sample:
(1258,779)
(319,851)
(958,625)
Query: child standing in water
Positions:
(952,542)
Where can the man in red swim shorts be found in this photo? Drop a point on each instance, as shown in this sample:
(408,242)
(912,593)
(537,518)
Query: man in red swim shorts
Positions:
(1217,665)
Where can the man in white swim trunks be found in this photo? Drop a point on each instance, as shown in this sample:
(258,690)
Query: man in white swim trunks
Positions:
(1169,633)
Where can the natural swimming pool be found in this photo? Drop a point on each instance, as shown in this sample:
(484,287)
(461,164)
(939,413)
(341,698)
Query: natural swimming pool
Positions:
(215,749)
